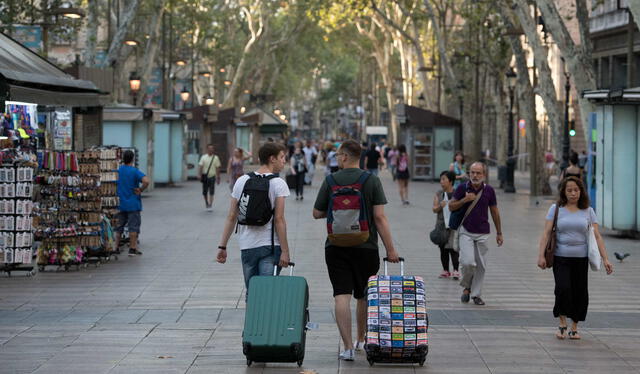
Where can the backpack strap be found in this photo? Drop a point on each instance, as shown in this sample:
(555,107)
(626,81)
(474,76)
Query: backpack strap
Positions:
(331,181)
(363,178)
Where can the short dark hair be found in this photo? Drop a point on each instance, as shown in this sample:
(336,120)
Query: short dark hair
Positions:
(583,201)
(451,176)
(574,158)
(402,148)
(268,150)
(351,148)
(373,146)
(128,156)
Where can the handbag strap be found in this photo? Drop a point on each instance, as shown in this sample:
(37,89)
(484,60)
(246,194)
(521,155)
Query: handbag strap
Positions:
(473,205)
(210,163)
(555,219)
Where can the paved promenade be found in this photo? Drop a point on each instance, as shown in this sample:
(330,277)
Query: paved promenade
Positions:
(174,310)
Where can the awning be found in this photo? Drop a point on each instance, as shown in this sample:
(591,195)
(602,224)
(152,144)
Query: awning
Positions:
(628,95)
(377,130)
(31,78)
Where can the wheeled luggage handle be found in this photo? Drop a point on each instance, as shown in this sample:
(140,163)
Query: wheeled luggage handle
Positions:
(291,265)
(386,259)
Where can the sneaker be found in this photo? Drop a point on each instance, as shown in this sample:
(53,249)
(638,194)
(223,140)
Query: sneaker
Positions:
(444,274)
(134,252)
(210,209)
(347,355)
(455,275)
(358,346)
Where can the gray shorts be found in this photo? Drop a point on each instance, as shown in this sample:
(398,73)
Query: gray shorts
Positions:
(129,219)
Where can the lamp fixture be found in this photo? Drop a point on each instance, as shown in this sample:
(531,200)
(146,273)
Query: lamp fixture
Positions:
(227,83)
(181,62)
(205,73)
(134,81)
(185,94)
(208,100)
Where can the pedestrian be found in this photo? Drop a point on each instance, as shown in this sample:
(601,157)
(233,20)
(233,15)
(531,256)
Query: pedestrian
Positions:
(209,170)
(363,155)
(402,175)
(440,207)
(392,160)
(475,229)
(311,155)
(573,170)
(235,166)
(582,160)
(131,183)
(458,167)
(550,163)
(332,160)
(266,245)
(298,167)
(351,264)
(373,160)
(570,260)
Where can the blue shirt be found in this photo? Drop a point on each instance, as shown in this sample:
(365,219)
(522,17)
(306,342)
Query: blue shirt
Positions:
(129,178)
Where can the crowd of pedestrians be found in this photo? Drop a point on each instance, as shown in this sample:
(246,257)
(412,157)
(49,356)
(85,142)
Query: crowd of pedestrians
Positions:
(462,207)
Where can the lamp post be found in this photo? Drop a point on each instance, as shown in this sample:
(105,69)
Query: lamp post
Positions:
(66,12)
(566,140)
(509,186)
(134,85)
(184,95)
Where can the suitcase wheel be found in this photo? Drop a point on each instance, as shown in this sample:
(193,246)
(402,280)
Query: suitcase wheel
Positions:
(249,362)
(421,363)
(370,361)
(299,363)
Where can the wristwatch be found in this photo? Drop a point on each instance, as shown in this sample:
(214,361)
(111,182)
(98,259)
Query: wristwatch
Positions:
(222,247)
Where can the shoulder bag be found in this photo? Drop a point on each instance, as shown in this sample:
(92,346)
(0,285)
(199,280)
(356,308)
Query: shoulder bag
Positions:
(440,234)
(550,248)
(456,231)
(595,260)
(203,177)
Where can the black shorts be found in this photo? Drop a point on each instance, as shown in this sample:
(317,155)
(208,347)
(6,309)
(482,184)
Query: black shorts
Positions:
(209,186)
(350,269)
(402,174)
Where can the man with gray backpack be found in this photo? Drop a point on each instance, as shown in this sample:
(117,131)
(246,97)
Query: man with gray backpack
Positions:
(352,201)
(257,214)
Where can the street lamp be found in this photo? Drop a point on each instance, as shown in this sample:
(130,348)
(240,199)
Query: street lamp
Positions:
(134,85)
(66,12)
(421,100)
(227,83)
(509,186)
(181,62)
(208,100)
(205,74)
(131,42)
(566,140)
(184,94)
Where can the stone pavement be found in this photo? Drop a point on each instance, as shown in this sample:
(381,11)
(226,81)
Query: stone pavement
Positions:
(174,310)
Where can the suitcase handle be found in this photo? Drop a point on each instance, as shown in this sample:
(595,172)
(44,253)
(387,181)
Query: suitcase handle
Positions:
(386,260)
(291,265)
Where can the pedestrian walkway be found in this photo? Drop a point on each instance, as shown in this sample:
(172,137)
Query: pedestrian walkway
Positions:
(174,310)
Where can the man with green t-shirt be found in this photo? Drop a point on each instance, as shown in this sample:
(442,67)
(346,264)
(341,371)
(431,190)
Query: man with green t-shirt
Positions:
(209,170)
(350,267)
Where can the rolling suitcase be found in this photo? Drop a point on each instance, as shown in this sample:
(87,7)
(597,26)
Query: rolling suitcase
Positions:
(397,320)
(276,319)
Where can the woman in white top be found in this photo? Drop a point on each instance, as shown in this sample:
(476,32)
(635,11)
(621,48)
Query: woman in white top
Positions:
(571,261)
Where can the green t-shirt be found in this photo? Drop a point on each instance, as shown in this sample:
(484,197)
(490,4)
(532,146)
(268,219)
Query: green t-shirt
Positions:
(373,195)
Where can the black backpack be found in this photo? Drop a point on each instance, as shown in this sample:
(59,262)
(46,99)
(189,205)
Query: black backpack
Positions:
(254,205)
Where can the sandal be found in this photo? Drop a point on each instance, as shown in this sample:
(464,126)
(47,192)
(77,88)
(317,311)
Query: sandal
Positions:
(573,335)
(561,334)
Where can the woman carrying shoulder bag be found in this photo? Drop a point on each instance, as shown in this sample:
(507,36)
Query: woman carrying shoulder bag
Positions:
(442,231)
(571,256)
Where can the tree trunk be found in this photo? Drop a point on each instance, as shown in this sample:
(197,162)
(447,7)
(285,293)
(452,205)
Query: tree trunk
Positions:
(442,48)
(151,49)
(92,33)
(546,88)
(118,39)
(578,63)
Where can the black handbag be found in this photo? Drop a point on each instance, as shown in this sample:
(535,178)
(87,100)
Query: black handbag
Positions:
(439,235)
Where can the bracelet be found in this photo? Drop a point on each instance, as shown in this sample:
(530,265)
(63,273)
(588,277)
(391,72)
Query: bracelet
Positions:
(498,233)
(222,247)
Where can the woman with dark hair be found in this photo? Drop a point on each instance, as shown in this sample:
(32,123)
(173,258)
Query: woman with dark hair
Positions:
(402,175)
(573,170)
(457,166)
(299,169)
(440,201)
(571,261)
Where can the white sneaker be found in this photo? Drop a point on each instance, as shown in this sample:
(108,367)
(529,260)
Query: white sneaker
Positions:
(358,346)
(346,355)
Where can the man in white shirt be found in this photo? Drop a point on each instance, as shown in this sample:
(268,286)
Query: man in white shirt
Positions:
(310,155)
(209,171)
(261,247)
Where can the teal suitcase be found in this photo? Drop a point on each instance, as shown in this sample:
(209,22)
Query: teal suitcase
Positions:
(276,319)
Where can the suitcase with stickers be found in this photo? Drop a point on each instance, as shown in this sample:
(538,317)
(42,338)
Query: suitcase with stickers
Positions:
(397,320)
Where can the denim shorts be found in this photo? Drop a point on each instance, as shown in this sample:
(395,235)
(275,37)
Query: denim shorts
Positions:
(259,261)
(131,220)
